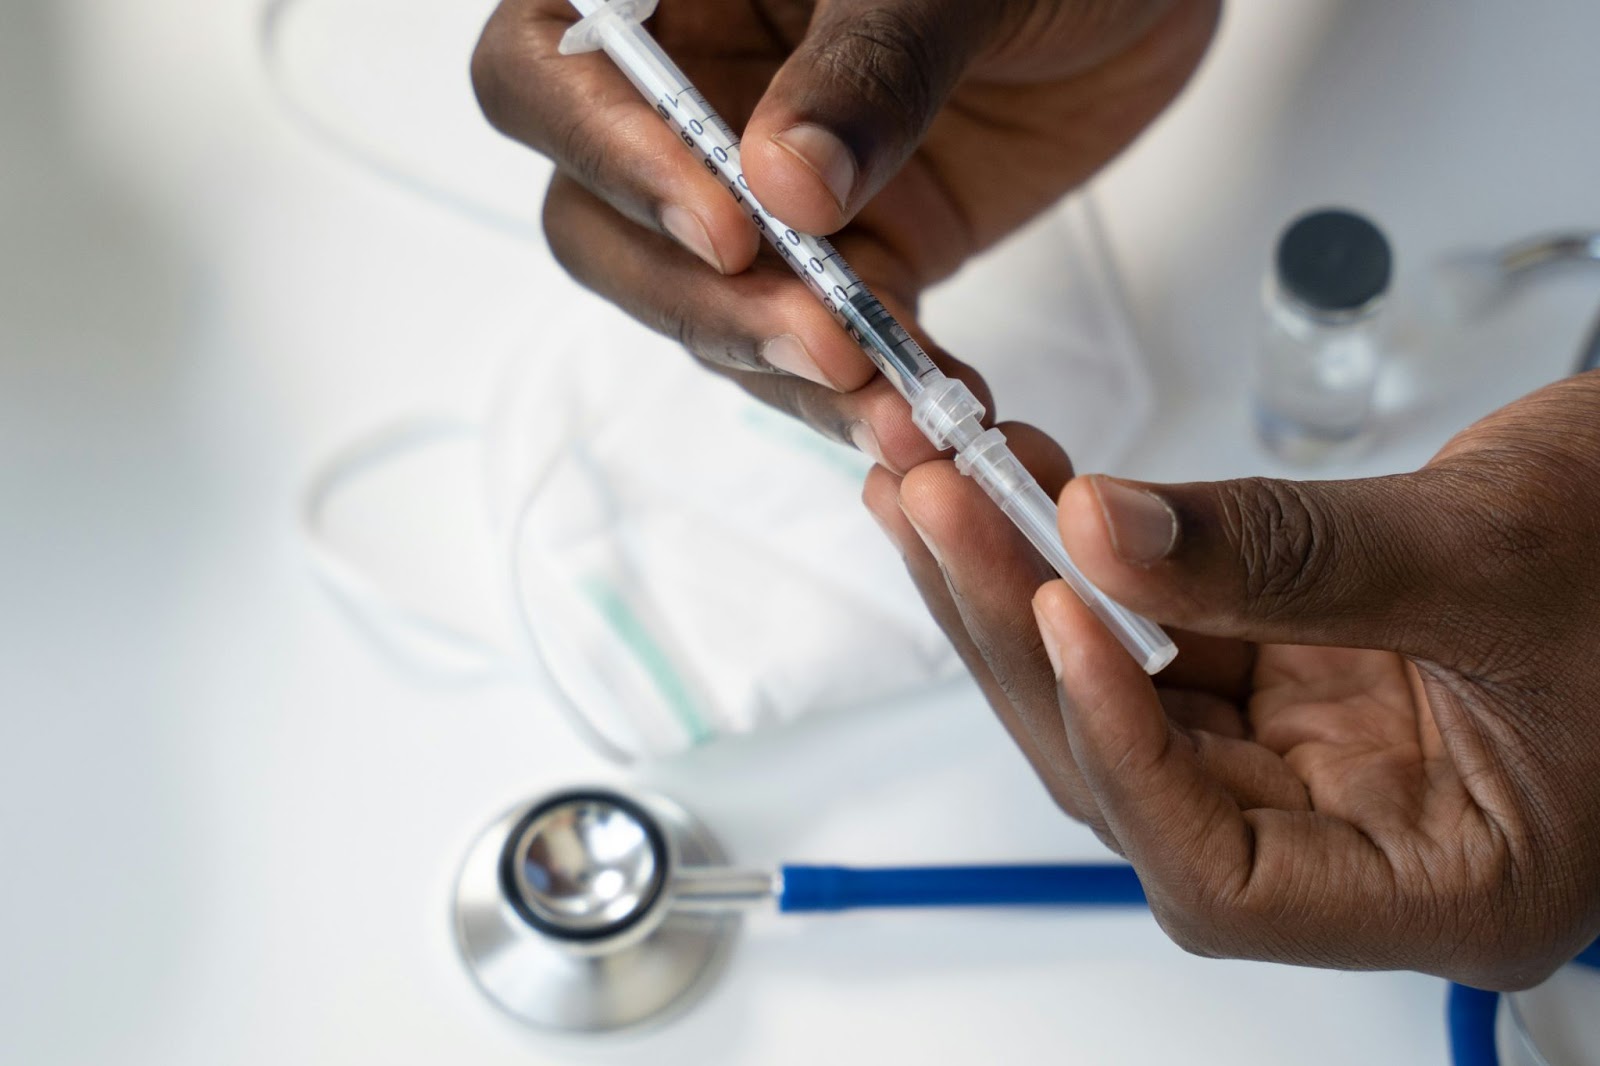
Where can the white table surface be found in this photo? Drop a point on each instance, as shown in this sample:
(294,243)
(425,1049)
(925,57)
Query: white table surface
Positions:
(228,830)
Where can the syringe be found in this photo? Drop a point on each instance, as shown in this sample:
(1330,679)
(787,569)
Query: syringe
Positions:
(942,407)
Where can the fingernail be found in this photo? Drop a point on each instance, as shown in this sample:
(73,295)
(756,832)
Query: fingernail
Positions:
(1143,527)
(1045,612)
(866,441)
(825,154)
(688,231)
(786,353)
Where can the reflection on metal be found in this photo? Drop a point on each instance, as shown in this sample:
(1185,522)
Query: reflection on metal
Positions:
(1516,260)
(566,943)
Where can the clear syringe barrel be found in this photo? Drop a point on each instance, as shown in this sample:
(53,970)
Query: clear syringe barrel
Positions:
(989,462)
(943,408)
(615,28)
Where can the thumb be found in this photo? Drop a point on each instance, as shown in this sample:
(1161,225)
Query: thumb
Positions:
(853,101)
(1367,563)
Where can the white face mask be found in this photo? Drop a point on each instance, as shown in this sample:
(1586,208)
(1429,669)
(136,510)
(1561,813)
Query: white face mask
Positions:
(682,563)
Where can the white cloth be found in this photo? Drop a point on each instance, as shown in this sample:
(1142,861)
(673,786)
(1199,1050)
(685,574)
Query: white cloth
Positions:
(694,564)
(688,564)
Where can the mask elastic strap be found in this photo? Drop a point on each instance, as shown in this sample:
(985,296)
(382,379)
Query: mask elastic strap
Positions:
(593,734)
(410,637)
(415,639)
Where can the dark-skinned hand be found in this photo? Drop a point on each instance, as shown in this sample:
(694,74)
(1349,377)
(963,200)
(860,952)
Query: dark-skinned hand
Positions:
(1379,746)
(917,131)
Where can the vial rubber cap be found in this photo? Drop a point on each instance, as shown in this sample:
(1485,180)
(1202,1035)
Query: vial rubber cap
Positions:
(1334,260)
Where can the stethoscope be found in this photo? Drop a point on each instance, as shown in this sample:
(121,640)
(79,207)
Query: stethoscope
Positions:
(593,909)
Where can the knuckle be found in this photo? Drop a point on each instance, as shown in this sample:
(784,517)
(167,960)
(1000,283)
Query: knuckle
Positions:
(1073,798)
(1217,911)
(553,226)
(1515,530)
(735,353)
(1187,929)
(582,149)
(506,78)
(1243,916)
(1008,640)
(1108,838)
(887,59)
(682,319)
(490,85)
(557,224)
(1283,538)
(1507,947)
(814,405)
(730,353)
(1066,800)
(1070,794)
(1217,924)
(676,319)
(1528,531)
(1530,913)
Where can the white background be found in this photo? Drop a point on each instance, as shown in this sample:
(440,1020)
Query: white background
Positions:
(228,830)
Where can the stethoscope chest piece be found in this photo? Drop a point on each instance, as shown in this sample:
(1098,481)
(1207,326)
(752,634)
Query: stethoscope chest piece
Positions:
(563,911)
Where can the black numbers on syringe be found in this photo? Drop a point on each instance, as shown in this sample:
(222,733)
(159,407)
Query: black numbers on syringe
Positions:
(714,157)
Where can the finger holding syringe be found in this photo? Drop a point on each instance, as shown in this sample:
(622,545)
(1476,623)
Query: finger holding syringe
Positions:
(943,409)
(743,326)
(629,203)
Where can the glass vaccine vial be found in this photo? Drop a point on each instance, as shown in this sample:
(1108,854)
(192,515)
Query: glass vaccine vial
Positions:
(1320,351)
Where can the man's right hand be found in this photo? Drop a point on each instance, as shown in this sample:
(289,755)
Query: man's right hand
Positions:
(918,131)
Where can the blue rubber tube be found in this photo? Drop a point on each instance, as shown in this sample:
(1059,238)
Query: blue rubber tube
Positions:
(1470,1012)
(836,888)
(1470,1016)
(1469,1019)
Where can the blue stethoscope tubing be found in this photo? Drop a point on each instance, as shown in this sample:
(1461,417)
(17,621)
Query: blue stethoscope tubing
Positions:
(1470,1016)
(834,888)
(1469,1012)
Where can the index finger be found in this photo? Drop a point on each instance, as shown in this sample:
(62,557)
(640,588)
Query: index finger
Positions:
(582,112)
